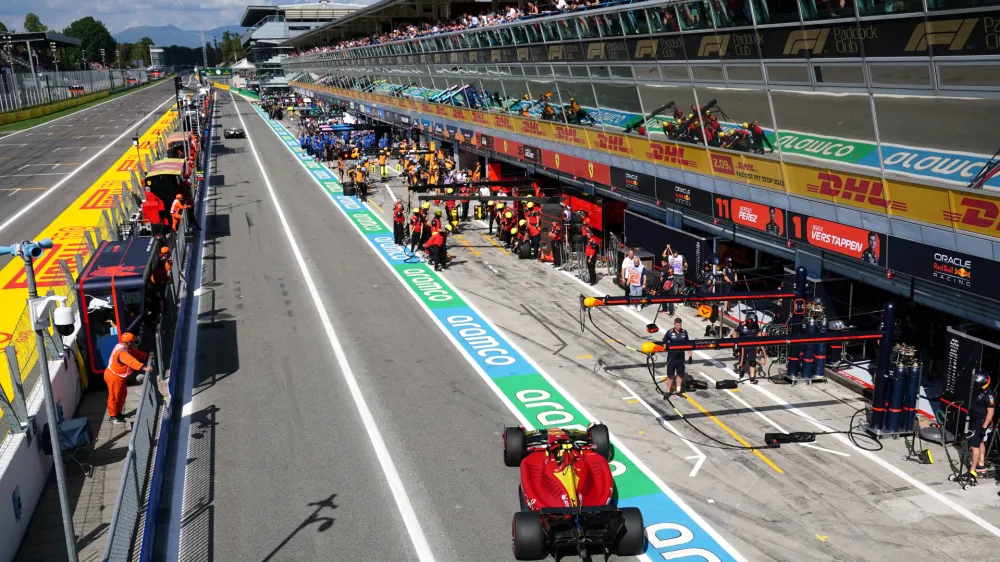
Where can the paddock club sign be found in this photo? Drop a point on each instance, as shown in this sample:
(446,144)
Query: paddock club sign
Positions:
(974,34)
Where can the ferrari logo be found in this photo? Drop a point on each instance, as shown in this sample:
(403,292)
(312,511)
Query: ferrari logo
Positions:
(505,145)
(557,159)
(590,169)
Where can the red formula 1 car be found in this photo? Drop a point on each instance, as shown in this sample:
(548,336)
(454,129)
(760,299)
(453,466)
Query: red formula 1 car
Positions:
(567,495)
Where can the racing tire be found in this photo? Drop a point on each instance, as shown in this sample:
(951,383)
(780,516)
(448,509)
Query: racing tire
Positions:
(528,536)
(633,540)
(350,191)
(524,251)
(601,438)
(514,448)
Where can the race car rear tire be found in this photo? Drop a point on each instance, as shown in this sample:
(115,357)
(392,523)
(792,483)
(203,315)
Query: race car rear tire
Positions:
(514,448)
(601,439)
(528,536)
(633,540)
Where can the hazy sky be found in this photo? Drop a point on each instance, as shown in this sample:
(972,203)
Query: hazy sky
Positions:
(120,14)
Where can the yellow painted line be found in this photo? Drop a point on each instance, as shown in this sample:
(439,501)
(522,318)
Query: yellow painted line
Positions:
(373,204)
(66,232)
(494,242)
(734,435)
(822,537)
(631,401)
(587,356)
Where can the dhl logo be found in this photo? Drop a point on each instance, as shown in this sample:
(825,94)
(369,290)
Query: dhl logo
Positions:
(126,165)
(100,199)
(953,33)
(669,154)
(595,51)
(48,272)
(503,122)
(857,189)
(645,49)
(717,44)
(557,52)
(978,213)
(480,118)
(810,40)
(568,134)
(531,128)
(458,114)
(613,143)
(441,110)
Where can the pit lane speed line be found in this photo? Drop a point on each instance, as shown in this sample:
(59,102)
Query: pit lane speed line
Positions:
(674,529)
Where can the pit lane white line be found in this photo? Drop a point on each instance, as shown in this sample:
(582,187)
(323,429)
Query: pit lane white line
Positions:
(406,511)
(60,183)
(987,526)
(663,422)
(767,419)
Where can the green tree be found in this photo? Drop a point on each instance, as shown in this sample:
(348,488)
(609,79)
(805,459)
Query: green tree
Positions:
(93,37)
(33,24)
(3,27)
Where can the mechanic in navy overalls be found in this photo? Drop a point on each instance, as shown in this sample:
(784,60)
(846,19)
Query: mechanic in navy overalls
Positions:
(980,420)
(749,328)
(675,359)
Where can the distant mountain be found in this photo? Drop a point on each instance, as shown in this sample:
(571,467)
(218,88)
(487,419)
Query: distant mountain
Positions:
(167,35)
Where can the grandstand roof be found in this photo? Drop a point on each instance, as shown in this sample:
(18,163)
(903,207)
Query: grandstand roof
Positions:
(47,36)
(315,11)
(385,15)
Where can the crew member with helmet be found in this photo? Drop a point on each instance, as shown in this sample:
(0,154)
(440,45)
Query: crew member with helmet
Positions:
(556,237)
(749,328)
(416,230)
(729,277)
(124,360)
(591,253)
(980,420)
(675,359)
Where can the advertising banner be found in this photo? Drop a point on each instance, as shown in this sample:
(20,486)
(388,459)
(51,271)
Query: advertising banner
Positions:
(757,216)
(633,182)
(857,243)
(686,197)
(954,269)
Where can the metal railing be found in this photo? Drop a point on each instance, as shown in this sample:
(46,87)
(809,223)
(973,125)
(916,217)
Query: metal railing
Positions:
(22,90)
(135,476)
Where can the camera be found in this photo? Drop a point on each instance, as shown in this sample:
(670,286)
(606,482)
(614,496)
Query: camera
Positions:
(64,320)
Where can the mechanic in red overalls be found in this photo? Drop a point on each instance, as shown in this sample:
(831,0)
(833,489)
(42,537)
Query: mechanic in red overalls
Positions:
(398,222)
(416,230)
(591,252)
(556,235)
(434,246)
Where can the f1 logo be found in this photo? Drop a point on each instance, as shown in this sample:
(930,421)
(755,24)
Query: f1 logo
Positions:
(556,52)
(595,51)
(522,54)
(645,49)
(713,44)
(812,40)
(953,33)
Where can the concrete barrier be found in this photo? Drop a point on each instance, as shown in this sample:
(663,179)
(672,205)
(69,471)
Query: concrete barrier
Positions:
(24,468)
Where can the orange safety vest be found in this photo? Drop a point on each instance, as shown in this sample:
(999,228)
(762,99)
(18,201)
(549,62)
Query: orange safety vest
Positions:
(116,365)
(176,207)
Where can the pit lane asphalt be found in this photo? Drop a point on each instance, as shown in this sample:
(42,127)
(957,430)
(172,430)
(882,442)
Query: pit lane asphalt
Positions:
(33,160)
(273,429)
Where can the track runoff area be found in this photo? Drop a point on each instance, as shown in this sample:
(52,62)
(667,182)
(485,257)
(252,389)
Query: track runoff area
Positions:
(66,231)
(747,507)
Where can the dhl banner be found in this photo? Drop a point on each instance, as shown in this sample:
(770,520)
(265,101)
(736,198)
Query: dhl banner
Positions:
(976,212)
(220,85)
(67,232)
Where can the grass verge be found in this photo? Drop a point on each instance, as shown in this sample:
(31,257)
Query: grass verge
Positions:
(27,123)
